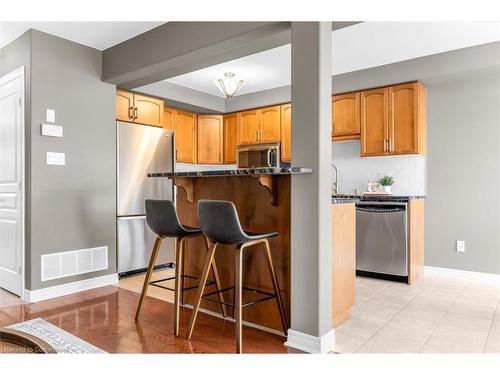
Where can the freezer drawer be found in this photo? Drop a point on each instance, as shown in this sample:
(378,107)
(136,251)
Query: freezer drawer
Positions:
(381,240)
(135,244)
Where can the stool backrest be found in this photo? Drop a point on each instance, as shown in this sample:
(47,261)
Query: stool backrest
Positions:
(162,218)
(219,222)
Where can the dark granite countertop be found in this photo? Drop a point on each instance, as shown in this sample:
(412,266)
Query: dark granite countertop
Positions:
(347,198)
(236,172)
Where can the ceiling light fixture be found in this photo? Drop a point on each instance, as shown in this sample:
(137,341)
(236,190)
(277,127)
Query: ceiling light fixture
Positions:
(229,85)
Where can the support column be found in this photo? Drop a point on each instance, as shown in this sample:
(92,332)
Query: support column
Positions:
(311,261)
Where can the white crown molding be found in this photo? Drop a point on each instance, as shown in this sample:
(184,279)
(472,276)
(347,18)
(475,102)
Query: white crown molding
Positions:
(311,344)
(69,288)
(461,274)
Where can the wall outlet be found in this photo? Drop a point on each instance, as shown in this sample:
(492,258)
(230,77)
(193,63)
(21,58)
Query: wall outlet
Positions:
(460,246)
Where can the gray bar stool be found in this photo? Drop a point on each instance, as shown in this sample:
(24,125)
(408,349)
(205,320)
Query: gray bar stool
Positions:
(220,224)
(164,222)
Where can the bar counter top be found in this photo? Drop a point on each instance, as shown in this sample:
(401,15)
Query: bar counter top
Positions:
(236,172)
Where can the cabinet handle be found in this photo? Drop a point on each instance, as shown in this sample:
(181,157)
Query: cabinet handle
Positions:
(256,136)
(260,135)
(130,114)
(136,113)
(390,145)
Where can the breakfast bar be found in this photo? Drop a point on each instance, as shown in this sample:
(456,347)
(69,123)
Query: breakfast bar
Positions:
(262,198)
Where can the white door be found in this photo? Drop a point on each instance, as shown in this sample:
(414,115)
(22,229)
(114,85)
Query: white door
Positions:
(11,174)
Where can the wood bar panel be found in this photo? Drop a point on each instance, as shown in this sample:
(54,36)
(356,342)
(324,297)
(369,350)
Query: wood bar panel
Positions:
(257,214)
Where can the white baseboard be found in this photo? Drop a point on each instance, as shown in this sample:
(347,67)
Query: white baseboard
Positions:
(311,344)
(462,275)
(69,288)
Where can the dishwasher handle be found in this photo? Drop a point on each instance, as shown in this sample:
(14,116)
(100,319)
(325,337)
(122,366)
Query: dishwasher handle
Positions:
(381,209)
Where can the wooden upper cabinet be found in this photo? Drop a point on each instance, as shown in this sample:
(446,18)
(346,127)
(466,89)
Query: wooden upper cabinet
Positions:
(148,110)
(286,132)
(230,138)
(270,124)
(168,118)
(185,136)
(346,123)
(138,108)
(124,105)
(249,126)
(374,122)
(406,122)
(210,129)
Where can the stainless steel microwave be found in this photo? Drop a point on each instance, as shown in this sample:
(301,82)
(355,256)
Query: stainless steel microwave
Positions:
(261,155)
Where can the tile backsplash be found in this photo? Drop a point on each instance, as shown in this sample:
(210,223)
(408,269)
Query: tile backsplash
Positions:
(409,172)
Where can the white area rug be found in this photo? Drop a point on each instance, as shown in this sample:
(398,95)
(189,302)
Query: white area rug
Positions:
(63,342)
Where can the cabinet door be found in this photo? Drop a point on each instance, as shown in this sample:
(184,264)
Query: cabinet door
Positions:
(185,136)
(230,138)
(404,119)
(168,118)
(374,122)
(270,124)
(124,106)
(286,132)
(346,122)
(148,110)
(210,139)
(249,126)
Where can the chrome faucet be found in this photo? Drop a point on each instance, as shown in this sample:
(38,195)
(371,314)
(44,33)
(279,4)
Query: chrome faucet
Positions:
(335,186)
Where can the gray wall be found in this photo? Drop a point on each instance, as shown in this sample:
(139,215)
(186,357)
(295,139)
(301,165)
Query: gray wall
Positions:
(463,173)
(73,206)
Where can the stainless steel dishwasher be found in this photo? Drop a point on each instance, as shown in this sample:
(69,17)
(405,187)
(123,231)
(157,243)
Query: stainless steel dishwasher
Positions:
(381,239)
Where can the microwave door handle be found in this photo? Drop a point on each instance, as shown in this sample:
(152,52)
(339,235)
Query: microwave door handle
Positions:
(269,161)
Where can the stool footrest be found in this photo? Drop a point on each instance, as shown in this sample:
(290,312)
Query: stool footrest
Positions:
(267,297)
(155,283)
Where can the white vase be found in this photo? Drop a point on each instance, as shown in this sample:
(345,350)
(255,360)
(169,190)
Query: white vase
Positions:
(387,189)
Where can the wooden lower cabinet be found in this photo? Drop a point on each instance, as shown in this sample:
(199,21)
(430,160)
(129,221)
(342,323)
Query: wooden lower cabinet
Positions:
(346,124)
(343,261)
(286,132)
(230,138)
(210,139)
(186,140)
(416,238)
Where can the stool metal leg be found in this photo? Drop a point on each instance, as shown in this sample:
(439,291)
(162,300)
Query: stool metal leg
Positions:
(276,288)
(217,281)
(201,288)
(238,270)
(179,270)
(149,273)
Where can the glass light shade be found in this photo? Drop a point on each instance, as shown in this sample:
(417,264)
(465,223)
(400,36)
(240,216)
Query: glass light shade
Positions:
(229,85)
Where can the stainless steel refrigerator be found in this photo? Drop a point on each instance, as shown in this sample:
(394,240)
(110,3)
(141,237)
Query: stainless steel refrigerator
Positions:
(141,149)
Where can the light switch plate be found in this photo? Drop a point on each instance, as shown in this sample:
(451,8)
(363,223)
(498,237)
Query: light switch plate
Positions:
(56,158)
(461,246)
(50,130)
(51,115)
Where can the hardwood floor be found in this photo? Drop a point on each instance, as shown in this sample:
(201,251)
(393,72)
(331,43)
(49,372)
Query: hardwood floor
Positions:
(105,318)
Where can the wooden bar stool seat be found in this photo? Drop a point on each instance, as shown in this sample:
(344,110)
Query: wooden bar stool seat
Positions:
(164,222)
(220,224)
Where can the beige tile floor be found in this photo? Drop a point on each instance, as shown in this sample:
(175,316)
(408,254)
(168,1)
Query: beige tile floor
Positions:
(8,300)
(134,284)
(437,315)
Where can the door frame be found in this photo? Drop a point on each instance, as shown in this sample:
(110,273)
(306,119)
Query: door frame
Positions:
(20,73)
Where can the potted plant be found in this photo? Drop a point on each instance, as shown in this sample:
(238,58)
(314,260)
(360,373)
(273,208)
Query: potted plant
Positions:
(386,182)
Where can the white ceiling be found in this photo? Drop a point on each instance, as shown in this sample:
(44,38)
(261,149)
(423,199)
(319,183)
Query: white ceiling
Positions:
(364,45)
(99,35)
